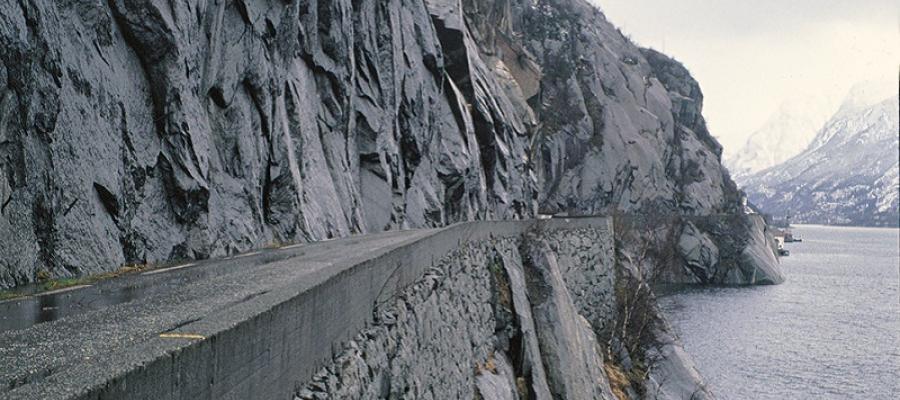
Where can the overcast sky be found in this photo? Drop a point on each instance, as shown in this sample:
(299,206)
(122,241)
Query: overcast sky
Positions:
(750,56)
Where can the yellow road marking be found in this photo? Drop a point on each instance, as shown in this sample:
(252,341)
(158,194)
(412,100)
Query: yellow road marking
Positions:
(247,254)
(63,290)
(182,336)
(159,271)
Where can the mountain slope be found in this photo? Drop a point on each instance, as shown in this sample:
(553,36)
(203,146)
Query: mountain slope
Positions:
(848,175)
(785,134)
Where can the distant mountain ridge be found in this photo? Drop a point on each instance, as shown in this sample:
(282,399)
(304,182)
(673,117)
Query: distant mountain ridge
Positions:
(847,176)
(785,134)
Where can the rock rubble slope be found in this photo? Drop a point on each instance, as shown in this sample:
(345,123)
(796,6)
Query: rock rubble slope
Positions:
(142,131)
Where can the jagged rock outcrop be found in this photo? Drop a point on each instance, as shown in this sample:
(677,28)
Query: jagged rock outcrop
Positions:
(724,249)
(567,342)
(144,131)
(728,250)
(699,252)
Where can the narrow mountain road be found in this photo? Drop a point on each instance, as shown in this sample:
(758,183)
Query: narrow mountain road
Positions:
(50,306)
(44,335)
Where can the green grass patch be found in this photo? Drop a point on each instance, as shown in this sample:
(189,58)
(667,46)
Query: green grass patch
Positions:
(45,284)
(9,295)
(63,283)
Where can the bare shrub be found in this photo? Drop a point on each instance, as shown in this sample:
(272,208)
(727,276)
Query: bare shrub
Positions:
(646,249)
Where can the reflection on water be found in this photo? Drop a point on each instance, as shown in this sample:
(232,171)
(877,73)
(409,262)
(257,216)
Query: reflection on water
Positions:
(29,311)
(23,313)
(48,310)
(832,331)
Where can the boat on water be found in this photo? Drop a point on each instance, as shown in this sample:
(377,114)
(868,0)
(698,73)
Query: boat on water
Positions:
(790,238)
(779,246)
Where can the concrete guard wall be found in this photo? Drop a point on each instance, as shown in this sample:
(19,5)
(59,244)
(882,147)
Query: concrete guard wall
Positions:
(264,348)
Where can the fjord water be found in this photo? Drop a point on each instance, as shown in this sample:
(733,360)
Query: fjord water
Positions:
(832,331)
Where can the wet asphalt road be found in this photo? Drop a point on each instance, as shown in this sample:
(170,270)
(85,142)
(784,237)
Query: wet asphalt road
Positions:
(50,306)
(47,337)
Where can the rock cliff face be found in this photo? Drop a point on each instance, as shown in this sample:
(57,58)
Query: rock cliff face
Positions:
(143,131)
(140,131)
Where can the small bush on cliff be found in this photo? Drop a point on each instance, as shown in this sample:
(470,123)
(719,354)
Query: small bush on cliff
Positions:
(646,249)
(619,382)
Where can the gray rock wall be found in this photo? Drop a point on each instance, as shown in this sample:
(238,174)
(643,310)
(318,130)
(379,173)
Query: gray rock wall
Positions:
(426,343)
(142,131)
(616,129)
(744,249)
(723,249)
(496,319)
(673,375)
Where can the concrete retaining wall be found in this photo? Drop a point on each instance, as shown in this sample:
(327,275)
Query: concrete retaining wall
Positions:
(267,346)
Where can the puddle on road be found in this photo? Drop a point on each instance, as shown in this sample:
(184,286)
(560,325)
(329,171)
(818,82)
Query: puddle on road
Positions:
(25,312)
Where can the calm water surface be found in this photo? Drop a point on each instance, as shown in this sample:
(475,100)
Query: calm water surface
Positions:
(832,331)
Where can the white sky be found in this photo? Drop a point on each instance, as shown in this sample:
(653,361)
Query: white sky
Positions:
(751,55)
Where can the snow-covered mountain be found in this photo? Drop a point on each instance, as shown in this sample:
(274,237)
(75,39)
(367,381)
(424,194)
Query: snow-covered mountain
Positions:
(847,176)
(785,134)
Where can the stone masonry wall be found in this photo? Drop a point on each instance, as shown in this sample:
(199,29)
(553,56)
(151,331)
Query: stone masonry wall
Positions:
(426,343)
(586,259)
(501,319)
